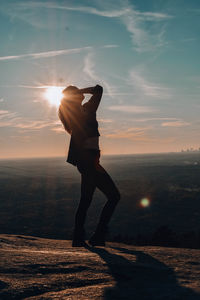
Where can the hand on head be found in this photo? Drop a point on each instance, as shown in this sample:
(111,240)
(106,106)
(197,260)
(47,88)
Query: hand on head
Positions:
(73,93)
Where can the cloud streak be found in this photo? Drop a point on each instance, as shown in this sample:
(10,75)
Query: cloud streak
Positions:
(3,112)
(53,53)
(144,87)
(12,119)
(89,70)
(134,109)
(105,120)
(58,129)
(114,13)
(46,54)
(18,122)
(84,9)
(32,125)
(175,124)
(6,114)
(143,38)
(133,134)
(155,119)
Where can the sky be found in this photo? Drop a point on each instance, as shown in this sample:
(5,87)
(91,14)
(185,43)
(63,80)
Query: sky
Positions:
(145,54)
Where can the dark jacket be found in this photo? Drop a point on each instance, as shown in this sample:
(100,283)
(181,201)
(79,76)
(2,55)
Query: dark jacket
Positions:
(83,123)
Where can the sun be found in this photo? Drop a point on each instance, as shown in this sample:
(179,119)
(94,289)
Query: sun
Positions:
(53,94)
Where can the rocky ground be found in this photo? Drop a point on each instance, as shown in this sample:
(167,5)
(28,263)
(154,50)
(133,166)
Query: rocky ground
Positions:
(37,268)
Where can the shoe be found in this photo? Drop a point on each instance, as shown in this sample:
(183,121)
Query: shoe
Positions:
(79,238)
(79,243)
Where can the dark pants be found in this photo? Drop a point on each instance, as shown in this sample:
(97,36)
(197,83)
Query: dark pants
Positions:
(93,175)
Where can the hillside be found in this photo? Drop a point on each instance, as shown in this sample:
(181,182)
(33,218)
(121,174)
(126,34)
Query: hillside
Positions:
(37,268)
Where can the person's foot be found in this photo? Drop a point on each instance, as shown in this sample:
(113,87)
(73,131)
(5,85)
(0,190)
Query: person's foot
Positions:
(79,243)
(79,238)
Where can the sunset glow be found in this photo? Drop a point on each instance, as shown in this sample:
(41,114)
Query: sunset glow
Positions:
(131,48)
(53,94)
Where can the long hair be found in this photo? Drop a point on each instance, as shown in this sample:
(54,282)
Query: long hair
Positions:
(64,117)
(65,112)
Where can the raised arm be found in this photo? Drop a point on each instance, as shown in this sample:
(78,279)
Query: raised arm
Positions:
(94,101)
(92,90)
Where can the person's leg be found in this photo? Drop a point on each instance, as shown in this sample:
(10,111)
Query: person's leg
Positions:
(106,185)
(87,191)
(86,167)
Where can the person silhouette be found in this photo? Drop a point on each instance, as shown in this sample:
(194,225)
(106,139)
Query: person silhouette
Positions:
(79,120)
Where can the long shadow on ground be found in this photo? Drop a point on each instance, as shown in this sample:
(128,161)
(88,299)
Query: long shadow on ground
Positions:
(142,277)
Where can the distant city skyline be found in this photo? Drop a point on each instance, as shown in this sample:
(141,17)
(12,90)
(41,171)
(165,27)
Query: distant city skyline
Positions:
(145,54)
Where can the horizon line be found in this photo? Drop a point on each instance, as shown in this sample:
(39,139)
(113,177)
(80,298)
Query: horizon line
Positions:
(114,154)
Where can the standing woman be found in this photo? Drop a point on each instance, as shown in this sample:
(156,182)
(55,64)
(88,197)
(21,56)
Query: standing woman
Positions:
(80,122)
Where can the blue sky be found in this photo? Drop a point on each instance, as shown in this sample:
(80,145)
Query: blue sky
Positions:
(144,53)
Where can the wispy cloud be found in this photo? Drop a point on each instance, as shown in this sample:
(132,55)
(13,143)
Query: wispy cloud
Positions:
(144,38)
(110,46)
(152,16)
(89,70)
(133,134)
(54,53)
(32,125)
(114,13)
(12,119)
(23,6)
(140,135)
(7,115)
(132,109)
(144,87)
(27,125)
(3,112)
(46,54)
(135,21)
(58,129)
(29,12)
(175,124)
(105,120)
(33,86)
(155,119)
(89,65)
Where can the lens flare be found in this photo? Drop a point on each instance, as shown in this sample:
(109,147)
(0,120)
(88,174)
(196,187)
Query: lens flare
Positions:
(145,202)
(53,94)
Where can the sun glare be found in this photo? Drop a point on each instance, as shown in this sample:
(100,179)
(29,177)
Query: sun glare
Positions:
(144,202)
(53,94)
